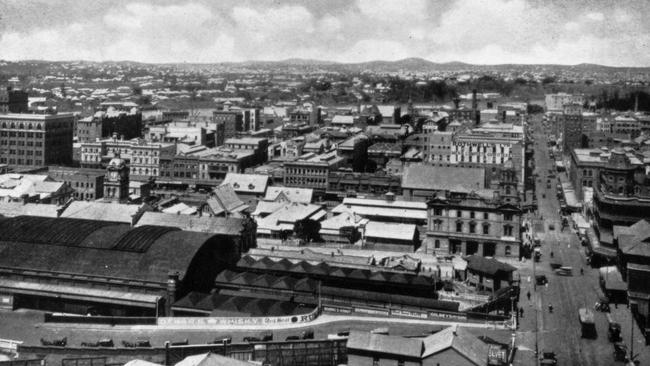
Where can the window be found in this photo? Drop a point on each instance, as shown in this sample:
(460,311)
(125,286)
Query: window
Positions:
(472,214)
(459,213)
(507,230)
(375,361)
(486,229)
(437,211)
(459,226)
(508,251)
(400,362)
(507,216)
(485,216)
(436,244)
(472,227)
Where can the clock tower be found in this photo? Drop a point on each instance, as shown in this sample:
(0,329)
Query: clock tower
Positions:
(116,182)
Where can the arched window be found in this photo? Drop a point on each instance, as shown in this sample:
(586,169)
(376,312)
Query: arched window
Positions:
(620,190)
(459,226)
(21,126)
(13,125)
(29,126)
(508,251)
(4,124)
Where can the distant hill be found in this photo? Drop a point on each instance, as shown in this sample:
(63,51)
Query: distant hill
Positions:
(412,65)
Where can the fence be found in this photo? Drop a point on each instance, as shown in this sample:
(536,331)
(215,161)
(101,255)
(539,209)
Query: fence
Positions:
(109,320)
(235,321)
(30,362)
(431,315)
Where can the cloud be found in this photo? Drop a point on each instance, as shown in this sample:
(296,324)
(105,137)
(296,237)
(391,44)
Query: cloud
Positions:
(599,17)
(476,31)
(395,11)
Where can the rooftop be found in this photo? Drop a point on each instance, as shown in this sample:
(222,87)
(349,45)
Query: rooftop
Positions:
(247,183)
(454,179)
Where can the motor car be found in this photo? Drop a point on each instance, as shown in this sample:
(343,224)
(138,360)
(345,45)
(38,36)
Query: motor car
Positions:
(541,280)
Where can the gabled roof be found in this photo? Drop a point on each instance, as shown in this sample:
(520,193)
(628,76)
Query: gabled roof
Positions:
(460,340)
(225,200)
(13,209)
(211,359)
(247,183)
(379,343)
(389,230)
(487,265)
(302,195)
(102,211)
(635,239)
(203,224)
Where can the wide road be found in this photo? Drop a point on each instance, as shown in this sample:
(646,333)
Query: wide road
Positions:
(560,331)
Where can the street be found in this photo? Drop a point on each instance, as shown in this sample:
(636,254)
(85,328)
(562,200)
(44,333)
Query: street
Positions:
(560,331)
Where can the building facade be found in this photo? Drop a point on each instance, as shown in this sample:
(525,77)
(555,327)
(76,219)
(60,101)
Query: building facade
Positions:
(468,224)
(36,139)
(88,184)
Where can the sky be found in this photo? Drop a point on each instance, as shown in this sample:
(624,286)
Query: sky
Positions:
(607,32)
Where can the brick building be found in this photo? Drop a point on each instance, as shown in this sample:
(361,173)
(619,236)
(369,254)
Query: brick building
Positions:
(88,184)
(36,139)
(468,224)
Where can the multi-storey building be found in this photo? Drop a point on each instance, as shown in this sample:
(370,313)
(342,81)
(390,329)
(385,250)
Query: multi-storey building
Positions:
(311,170)
(626,125)
(556,102)
(468,224)
(36,139)
(490,146)
(259,147)
(126,124)
(13,101)
(232,121)
(355,151)
(88,184)
(586,166)
(342,183)
(621,194)
(144,158)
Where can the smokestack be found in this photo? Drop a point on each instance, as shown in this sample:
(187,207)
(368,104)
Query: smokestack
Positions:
(475,106)
(474,101)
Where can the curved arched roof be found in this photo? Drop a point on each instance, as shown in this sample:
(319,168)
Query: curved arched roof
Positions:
(88,247)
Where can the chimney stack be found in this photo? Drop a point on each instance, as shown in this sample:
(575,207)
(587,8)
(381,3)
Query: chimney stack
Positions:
(172,284)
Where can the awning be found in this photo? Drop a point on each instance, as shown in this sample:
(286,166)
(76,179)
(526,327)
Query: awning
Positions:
(79,293)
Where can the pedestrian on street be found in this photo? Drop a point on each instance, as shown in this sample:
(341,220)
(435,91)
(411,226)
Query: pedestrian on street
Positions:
(521,312)
(582,271)
(528,295)
(551,254)
(550,308)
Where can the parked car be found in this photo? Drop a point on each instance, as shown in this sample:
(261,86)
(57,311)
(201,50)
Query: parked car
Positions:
(541,280)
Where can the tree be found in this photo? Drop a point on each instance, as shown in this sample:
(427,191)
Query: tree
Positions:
(307,230)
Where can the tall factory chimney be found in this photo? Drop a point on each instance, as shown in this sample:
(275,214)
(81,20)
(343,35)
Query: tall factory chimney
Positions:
(475,106)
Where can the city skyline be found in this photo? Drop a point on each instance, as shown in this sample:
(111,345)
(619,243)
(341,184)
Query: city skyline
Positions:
(511,31)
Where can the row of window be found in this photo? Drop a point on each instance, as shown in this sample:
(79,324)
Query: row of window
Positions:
(472,214)
(21,134)
(25,152)
(4,160)
(21,143)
